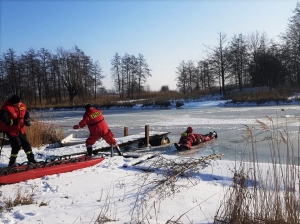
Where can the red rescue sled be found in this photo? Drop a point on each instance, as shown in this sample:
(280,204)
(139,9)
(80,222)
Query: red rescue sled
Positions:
(22,173)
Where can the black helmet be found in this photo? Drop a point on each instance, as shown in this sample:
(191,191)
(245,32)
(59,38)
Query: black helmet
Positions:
(87,106)
(15,99)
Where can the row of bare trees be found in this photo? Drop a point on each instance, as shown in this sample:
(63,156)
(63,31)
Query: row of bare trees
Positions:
(49,78)
(129,74)
(251,60)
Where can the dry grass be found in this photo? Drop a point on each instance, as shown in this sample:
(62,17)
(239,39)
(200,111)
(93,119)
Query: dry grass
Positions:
(264,193)
(261,96)
(20,198)
(109,209)
(40,133)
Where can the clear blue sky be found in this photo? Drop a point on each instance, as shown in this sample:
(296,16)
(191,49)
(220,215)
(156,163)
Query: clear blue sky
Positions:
(165,32)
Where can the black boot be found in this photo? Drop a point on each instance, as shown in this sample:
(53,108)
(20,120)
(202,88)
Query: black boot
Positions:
(30,158)
(12,161)
(89,151)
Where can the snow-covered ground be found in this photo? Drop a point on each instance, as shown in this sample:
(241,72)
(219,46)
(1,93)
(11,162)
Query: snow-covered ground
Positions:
(120,193)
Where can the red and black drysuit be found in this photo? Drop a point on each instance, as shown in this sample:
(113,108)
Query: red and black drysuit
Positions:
(191,139)
(13,120)
(98,128)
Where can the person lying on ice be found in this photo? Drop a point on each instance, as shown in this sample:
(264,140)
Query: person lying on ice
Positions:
(94,119)
(189,139)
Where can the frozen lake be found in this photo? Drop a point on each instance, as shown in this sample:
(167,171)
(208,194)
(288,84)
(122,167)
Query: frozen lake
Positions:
(229,122)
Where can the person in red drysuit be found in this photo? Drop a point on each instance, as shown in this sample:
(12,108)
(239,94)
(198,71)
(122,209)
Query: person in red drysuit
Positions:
(94,119)
(13,119)
(190,139)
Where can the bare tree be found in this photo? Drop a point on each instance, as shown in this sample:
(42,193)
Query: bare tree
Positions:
(291,41)
(98,76)
(191,75)
(126,70)
(182,77)
(206,79)
(32,79)
(238,59)
(116,74)
(268,69)
(78,74)
(45,59)
(133,87)
(55,79)
(260,60)
(142,72)
(254,46)
(219,57)
(11,68)
(129,74)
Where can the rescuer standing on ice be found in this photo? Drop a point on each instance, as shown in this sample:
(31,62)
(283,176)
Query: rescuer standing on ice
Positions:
(94,119)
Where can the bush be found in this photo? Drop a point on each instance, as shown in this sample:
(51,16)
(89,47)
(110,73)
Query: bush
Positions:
(179,103)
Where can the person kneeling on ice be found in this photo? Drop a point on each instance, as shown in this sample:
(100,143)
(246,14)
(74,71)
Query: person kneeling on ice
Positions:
(94,119)
(189,139)
(14,118)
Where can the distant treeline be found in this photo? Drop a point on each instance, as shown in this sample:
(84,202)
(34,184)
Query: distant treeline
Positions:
(40,77)
(251,60)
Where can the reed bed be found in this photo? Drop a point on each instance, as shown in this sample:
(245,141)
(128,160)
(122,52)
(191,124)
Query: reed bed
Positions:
(40,133)
(264,193)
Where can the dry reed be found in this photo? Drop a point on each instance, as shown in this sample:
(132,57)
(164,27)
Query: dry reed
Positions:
(20,198)
(40,133)
(264,193)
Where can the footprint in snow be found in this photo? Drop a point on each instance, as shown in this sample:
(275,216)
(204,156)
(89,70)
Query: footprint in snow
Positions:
(19,214)
(48,188)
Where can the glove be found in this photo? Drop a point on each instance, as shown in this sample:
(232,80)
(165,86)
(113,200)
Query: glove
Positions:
(14,122)
(27,122)
(76,126)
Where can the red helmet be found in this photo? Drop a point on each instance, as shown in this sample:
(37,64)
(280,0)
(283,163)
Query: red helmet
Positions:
(189,130)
